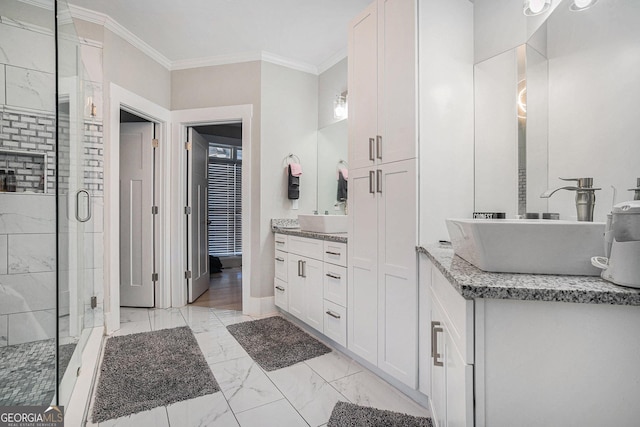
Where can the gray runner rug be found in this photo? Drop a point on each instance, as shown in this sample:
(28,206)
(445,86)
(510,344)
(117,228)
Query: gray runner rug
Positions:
(275,343)
(150,369)
(347,414)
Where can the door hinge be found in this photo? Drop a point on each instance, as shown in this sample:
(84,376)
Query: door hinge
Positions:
(94,302)
(187,210)
(154,277)
(154,210)
(187,274)
(187,146)
(155,143)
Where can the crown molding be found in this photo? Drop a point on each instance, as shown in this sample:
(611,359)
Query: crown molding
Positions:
(113,26)
(44,4)
(185,64)
(289,63)
(332,60)
(25,25)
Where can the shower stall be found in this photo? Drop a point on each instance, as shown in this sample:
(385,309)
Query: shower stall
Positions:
(51,201)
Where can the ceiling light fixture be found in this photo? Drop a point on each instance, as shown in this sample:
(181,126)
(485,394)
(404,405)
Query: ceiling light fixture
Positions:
(536,7)
(579,5)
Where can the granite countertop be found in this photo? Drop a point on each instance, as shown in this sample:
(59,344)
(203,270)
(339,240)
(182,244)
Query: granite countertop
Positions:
(291,227)
(471,282)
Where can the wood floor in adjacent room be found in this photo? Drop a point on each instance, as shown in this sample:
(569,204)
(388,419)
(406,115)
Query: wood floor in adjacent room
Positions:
(225,290)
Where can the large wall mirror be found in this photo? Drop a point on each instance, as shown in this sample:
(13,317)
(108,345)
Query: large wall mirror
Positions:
(562,105)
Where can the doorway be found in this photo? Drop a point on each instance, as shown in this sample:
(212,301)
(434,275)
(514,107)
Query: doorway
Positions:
(217,149)
(138,210)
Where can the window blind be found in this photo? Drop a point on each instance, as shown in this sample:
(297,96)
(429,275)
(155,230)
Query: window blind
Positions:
(225,208)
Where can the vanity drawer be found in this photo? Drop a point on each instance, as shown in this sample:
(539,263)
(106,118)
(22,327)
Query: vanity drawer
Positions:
(282,242)
(335,253)
(310,248)
(281,295)
(281,265)
(335,284)
(335,322)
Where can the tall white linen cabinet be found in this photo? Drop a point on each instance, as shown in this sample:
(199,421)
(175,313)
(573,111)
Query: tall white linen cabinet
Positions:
(382,270)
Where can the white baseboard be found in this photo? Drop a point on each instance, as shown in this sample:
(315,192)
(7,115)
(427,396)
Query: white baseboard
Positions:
(259,307)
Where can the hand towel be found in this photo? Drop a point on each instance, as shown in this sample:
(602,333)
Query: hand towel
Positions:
(342,187)
(296,169)
(293,185)
(345,173)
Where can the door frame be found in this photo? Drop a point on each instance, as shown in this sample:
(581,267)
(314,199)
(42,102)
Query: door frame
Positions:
(181,120)
(120,98)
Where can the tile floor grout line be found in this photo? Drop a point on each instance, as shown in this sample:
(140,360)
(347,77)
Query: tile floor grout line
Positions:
(281,392)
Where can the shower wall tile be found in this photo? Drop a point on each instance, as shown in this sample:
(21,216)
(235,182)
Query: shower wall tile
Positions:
(4,333)
(30,89)
(27,292)
(27,213)
(28,49)
(32,253)
(32,326)
(3,99)
(3,254)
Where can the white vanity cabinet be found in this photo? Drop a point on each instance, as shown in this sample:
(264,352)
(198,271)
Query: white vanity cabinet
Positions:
(312,285)
(451,359)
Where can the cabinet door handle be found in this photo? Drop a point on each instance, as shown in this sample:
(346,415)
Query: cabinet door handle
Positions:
(280,242)
(279,259)
(300,268)
(333,276)
(379,146)
(332,314)
(332,253)
(371,155)
(379,180)
(372,190)
(280,288)
(435,329)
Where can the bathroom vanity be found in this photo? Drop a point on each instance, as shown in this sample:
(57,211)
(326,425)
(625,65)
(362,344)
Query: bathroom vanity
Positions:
(526,350)
(311,279)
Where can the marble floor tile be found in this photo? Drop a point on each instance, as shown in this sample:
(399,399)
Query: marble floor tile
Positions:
(200,319)
(156,417)
(219,346)
(230,317)
(133,328)
(276,414)
(208,410)
(244,384)
(129,314)
(308,392)
(166,318)
(366,389)
(333,366)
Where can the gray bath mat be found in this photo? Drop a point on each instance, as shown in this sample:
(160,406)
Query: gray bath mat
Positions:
(347,414)
(275,343)
(150,369)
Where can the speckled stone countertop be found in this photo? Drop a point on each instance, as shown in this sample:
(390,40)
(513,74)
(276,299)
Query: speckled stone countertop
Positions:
(291,227)
(471,282)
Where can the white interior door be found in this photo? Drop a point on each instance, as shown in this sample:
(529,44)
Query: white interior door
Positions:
(136,219)
(198,250)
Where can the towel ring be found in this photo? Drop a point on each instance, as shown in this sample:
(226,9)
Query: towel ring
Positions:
(341,162)
(287,159)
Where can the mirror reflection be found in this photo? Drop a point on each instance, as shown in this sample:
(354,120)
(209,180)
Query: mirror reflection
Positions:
(580,95)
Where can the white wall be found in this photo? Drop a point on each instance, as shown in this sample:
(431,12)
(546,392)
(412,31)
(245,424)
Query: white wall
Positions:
(289,124)
(446,114)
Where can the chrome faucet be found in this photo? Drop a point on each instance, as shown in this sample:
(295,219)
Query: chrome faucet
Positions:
(585,196)
(636,190)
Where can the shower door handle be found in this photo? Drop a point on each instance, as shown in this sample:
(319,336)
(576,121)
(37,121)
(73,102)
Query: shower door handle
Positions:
(78,217)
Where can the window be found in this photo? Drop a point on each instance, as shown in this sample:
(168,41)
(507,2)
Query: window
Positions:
(225,200)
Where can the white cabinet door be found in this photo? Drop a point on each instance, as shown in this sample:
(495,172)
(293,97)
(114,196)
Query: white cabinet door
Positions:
(397,271)
(363,88)
(362,282)
(459,386)
(397,89)
(438,393)
(312,271)
(295,283)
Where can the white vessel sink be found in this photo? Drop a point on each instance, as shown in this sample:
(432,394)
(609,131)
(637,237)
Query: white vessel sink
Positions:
(528,246)
(323,223)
